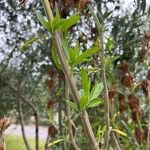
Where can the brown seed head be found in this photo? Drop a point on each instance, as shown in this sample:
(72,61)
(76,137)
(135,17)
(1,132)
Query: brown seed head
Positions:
(112,92)
(122,103)
(139,134)
(50,84)
(50,104)
(136,115)
(133,102)
(52,131)
(144,86)
(124,66)
(127,80)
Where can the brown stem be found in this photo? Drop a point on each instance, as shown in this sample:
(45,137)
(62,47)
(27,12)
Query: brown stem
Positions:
(22,124)
(148,131)
(70,79)
(115,141)
(35,111)
(68,112)
(106,97)
(60,103)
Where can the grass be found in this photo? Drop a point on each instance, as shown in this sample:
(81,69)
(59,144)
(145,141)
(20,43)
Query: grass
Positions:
(17,143)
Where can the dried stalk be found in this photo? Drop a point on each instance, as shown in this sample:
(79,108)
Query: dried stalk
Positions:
(70,79)
(106,97)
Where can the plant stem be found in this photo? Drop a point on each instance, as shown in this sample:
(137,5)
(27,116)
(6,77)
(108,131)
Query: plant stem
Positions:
(71,81)
(68,112)
(148,131)
(102,56)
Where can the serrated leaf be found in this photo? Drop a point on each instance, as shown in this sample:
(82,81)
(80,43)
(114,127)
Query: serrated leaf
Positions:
(95,102)
(120,132)
(72,105)
(96,91)
(44,22)
(83,57)
(67,23)
(55,142)
(55,58)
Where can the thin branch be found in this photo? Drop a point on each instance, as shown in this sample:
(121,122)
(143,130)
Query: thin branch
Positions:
(106,97)
(71,81)
(22,124)
(68,112)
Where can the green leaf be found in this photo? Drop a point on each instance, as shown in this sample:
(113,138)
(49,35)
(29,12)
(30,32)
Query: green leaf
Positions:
(83,57)
(108,61)
(97,89)
(67,23)
(55,58)
(44,22)
(55,142)
(72,56)
(72,105)
(95,102)
(100,133)
(81,92)
(109,44)
(83,102)
(85,81)
(29,42)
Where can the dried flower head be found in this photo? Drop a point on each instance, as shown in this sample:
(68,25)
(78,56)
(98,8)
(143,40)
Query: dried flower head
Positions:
(133,102)
(127,80)
(112,92)
(145,41)
(124,66)
(51,72)
(136,115)
(144,86)
(50,104)
(142,55)
(122,103)
(139,134)
(52,131)
(50,84)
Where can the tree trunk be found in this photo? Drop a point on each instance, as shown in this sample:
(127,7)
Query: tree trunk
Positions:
(36,131)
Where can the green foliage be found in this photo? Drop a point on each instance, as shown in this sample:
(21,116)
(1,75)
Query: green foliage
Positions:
(89,99)
(83,56)
(29,42)
(58,23)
